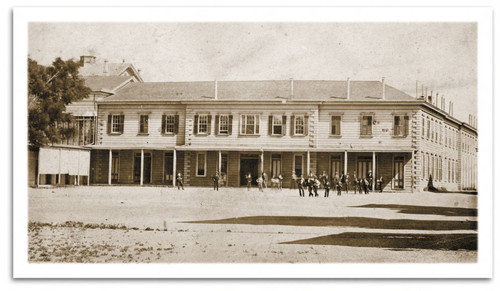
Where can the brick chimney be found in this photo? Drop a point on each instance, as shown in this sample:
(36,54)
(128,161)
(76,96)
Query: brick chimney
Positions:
(383,88)
(348,88)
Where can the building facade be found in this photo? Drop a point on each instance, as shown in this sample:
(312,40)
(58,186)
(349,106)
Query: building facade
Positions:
(147,133)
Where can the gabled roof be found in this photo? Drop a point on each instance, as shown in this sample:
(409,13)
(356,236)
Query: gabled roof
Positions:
(258,90)
(106,83)
(113,69)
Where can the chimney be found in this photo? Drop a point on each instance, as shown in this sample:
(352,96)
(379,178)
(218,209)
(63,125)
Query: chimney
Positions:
(216,90)
(423,96)
(123,60)
(106,69)
(383,88)
(416,89)
(437,99)
(444,103)
(348,88)
(139,71)
(291,87)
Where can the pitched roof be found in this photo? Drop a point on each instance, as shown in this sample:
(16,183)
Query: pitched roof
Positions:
(98,69)
(258,90)
(105,83)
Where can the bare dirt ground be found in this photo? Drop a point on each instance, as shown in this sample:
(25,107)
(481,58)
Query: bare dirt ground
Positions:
(155,224)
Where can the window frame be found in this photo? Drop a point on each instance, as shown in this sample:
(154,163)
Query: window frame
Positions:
(280,117)
(167,117)
(339,125)
(295,118)
(244,124)
(200,116)
(204,164)
(113,123)
(403,125)
(145,129)
(221,117)
(363,115)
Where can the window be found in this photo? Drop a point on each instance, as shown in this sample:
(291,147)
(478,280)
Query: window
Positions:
(277,125)
(275,165)
(201,164)
(423,126)
(400,125)
(203,124)
(428,128)
(169,124)
(299,125)
(249,124)
(224,124)
(335,128)
(366,125)
(143,124)
(115,124)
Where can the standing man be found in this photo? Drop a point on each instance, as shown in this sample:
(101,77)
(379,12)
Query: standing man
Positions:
(380,183)
(179,182)
(310,182)
(216,180)
(355,183)
(280,183)
(294,180)
(316,185)
(300,184)
(347,181)
(370,179)
(264,179)
(327,188)
(259,182)
(249,181)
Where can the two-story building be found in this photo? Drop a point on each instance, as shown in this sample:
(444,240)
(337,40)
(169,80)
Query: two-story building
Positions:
(148,132)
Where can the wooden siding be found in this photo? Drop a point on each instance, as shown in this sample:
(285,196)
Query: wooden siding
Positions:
(131,136)
(382,130)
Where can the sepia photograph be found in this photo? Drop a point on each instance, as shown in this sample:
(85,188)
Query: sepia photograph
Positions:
(255,142)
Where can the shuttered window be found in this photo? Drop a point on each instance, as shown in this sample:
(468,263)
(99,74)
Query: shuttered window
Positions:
(366,125)
(400,125)
(299,125)
(223,124)
(202,124)
(335,128)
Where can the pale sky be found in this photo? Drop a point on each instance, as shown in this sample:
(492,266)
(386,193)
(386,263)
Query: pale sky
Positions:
(442,56)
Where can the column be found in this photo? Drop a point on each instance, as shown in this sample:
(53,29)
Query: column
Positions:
(374,179)
(174,172)
(261,162)
(308,163)
(109,167)
(142,166)
(59,171)
(412,170)
(345,162)
(220,162)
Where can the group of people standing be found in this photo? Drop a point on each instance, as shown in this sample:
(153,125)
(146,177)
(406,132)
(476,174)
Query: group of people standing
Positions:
(340,183)
(262,181)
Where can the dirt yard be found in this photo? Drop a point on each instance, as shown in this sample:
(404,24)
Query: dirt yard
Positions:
(155,224)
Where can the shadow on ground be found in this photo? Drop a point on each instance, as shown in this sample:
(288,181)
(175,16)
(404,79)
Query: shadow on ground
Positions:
(396,241)
(362,222)
(414,209)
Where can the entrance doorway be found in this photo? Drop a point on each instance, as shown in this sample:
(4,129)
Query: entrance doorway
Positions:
(335,167)
(169,168)
(249,164)
(146,169)
(399,173)
(364,166)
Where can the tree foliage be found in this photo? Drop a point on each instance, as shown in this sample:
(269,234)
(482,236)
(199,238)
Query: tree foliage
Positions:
(50,89)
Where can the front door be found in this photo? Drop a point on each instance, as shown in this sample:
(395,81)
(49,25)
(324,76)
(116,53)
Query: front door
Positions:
(169,168)
(146,169)
(335,168)
(364,166)
(399,172)
(249,165)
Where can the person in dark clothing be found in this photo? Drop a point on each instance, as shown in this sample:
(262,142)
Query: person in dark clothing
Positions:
(310,182)
(179,182)
(339,188)
(380,183)
(366,186)
(300,184)
(347,181)
(355,184)
(215,178)
(327,188)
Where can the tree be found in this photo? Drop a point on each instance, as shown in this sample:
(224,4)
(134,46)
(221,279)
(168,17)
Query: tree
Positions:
(50,89)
